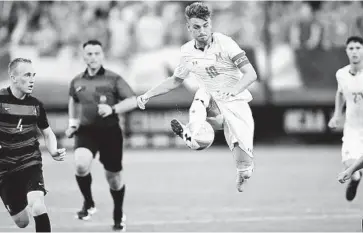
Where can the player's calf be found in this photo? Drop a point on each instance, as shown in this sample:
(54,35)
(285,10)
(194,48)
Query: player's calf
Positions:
(244,166)
(117,190)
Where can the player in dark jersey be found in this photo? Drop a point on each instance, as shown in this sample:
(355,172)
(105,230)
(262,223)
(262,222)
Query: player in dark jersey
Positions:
(21,174)
(97,96)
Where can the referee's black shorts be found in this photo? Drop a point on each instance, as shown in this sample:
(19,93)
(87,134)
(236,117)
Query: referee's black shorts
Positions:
(108,141)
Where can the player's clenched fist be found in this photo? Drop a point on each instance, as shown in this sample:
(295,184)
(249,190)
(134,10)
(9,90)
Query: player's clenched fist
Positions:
(335,121)
(59,154)
(141,101)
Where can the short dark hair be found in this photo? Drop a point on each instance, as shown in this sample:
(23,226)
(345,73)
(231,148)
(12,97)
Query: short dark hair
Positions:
(354,39)
(198,10)
(92,42)
(15,62)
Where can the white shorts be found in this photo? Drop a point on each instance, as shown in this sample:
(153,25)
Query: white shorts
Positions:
(234,117)
(352,147)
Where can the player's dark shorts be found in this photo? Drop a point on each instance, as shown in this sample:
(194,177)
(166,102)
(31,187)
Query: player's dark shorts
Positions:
(108,141)
(14,187)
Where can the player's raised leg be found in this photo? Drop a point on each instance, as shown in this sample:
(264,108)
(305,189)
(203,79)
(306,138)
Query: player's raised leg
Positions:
(83,162)
(197,113)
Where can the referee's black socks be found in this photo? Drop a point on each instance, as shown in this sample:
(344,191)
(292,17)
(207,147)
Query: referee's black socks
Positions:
(42,223)
(84,183)
(118,200)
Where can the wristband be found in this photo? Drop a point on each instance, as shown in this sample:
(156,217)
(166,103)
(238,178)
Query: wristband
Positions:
(73,122)
(113,110)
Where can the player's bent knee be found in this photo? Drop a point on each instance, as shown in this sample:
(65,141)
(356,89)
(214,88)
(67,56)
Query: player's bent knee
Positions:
(36,203)
(38,208)
(83,161)
(114,179)
(21,219)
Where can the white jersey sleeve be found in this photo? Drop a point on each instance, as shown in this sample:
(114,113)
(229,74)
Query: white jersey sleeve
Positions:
(338,77)
(235,53)
(182,71)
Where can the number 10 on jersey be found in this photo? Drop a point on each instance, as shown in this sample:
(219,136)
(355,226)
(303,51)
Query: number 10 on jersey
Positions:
(212,71)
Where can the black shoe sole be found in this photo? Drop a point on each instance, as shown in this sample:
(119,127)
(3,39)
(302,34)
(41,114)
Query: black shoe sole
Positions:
(352,190)
(177,128)
(118,228)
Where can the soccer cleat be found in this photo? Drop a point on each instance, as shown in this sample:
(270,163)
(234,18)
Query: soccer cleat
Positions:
(242,177)
(120,226)
(352,189)
(184,133)
(179,129)
(86,212)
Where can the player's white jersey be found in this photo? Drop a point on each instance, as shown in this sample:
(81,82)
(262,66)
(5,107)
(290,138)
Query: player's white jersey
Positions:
(215,66)
(352,88)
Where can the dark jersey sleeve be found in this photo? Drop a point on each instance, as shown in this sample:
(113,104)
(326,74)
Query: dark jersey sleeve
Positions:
(123,89)
(72,91)
(42,121)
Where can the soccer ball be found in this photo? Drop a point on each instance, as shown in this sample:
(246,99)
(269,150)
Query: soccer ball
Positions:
(202,133)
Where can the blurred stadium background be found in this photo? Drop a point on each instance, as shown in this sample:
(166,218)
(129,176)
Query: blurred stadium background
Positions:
(296,47)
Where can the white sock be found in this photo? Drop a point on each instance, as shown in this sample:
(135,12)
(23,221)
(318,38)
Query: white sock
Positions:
(197,112)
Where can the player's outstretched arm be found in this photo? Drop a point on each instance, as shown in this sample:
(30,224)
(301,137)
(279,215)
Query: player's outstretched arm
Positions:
(127,99)
(167,85)
(51,144)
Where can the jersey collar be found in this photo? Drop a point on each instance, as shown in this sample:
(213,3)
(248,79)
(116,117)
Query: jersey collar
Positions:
(13,96)
(101,71)
(203,49)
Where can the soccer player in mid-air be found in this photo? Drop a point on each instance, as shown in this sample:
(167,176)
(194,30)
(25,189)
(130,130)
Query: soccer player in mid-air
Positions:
(97,96)
(21,175)
(350,93)
(225,73)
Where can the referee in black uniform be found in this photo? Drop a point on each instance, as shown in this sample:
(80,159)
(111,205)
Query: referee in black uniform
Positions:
(97,96)
(21,172)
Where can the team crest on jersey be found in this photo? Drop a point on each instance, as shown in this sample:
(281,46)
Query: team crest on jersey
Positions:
(80,88)
(218,56)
